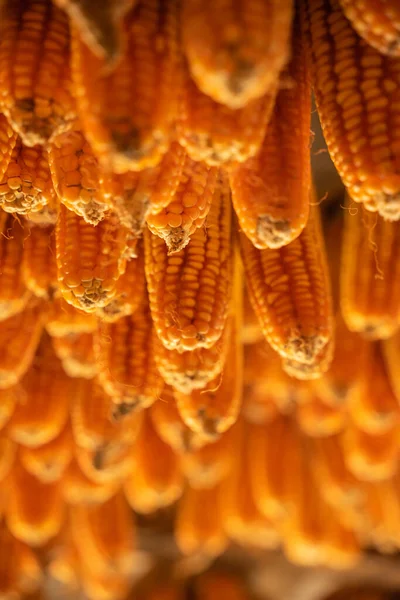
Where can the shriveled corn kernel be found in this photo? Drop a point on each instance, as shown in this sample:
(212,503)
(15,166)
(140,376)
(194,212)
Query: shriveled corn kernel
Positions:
(290,293)
(39,269)
(13,294)
(271,191)
(236,50)
(77,176)
(79,489)
(64,319)
(8,139)
(189,206)
(208,465)
(49,461)
(89,259)
(189,291)
(75,351)
(34,69)
(370,274)
(127,114)
(377,21)
(355,88)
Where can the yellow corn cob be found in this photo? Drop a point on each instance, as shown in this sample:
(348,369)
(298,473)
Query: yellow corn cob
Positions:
(8,401)
(13,294)
(370,289)
(189,292)
(34,510)
(127,114)
(207,466)
(78,489)
(214,585)
(290,292)
(236,50)
(377,21)
(317,418)
(217,134)
(100,25)
(76,354)
(157,480)
(44,398)
(77,176)
(271,192)
(19,338)
(64,319)
(88,259)
(39,270)
(8,453)
(34,70)
(357,91)
(199,186)
(49,461)
(8,139)
(106,534)
(130,291)
(198,526)
(127,370)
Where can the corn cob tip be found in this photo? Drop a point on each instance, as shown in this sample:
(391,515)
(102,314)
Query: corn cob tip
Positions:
(273,233)
(305,349)
(176,240)
(387,205)
(122,409)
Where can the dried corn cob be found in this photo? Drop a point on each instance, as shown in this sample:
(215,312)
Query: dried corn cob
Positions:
(78,489)
(236,50)
(88,259)
(39,270)
(370,290)
(317,418)
(77,176)
(357,92)
(13,294)
(189,291)
(8,138)
(157,480)
(34,510)
(34,70)
(8,401)
(19,337)
(290,292)
(378,22)
(128,113)
(76,354)
(8,452)
(127,370)
(207,466)
(271,192)
(49,461)
(64,319)
(190,205)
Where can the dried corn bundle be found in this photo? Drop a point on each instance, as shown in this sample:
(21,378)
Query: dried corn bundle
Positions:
(271,191)
(39,269)
(316,418)
(8,139)
(8,451)
(34,69)
(156,481)
(217,134)
(207,466)
(198,525)
(44,396)
(189,291)
(19,338)
(13,294)
(49,461)
(370,289)
(127,370)
(77,176)
(236,50)
(64,319)
(89,259)
(357,92)
(290,292)
(78,489)
(8,401)
(378,22)
(190,205)
(76,354)
(127,114)
(35,510)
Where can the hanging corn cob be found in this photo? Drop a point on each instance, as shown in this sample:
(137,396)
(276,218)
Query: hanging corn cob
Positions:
(49,461)
(76,354)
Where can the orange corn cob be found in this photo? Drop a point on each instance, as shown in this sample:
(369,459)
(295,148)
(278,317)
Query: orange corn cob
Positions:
(217,134)
(317,418)
(189,207)
(189,291)
(8,139)
(8,401)
(64,319)
(271,192)
(198,526)
(130,291)
(377,21)
(49,461)
(157,480)
(43,405)
(77,176)
(290,292)
(390,349)
(88,259)
(127,370)
(128,113)
(34,511)
(371,457)
(19,338)
(34,70)
(355,108)
(8,452)
(13,294)
(208,465)
(39,269)
(236,50)
(78,489)
(76,354)
(370,289)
